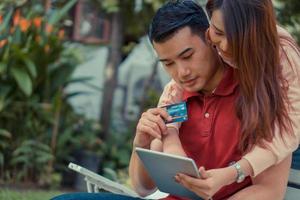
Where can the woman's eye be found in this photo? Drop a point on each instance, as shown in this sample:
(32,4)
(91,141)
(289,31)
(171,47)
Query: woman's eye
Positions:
(219,33)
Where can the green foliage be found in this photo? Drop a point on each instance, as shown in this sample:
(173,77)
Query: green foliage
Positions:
(55,18)
(117,151)
(110,5)
(152,98)
(32,156)
(77,133)
(8,194)
(5,136)
(135,17)
(289,15)
(36,65)
(9,3)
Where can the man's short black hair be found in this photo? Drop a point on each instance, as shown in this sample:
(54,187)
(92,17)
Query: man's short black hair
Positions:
(175,15)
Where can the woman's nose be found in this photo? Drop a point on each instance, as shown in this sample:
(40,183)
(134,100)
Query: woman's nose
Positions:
(223,45)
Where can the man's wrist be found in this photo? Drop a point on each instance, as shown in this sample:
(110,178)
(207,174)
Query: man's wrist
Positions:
(136,144)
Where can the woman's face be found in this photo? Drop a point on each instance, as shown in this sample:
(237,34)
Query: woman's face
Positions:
(218,37)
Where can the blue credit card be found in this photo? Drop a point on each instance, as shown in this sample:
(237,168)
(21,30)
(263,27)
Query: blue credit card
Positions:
(177,111)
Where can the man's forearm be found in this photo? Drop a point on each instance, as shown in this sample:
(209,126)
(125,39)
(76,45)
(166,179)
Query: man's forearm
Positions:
(257,192)
(140,179)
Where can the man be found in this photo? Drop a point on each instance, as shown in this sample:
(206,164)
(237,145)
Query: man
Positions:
(211,134)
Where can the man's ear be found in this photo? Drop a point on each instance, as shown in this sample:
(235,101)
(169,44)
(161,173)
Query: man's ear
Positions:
(207,37)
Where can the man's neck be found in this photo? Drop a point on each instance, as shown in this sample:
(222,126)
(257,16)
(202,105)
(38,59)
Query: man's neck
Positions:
(216,79)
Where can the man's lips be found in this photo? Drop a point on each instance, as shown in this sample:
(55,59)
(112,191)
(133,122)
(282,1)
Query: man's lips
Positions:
(189,82)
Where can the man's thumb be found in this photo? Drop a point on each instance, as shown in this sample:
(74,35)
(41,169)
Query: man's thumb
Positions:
(203,173)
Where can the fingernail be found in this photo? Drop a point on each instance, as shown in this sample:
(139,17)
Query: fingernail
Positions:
(170,118)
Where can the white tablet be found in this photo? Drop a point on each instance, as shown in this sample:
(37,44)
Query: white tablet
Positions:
(163,167)
(103,182)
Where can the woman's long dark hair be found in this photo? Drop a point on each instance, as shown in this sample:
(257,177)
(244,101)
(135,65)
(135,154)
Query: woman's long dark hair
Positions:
(250,27)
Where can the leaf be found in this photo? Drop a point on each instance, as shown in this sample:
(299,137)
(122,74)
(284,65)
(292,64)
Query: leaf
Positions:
(111,6)
(74,94)
(59,14)
(29,143)
(17,35)
(6,20)
(3,67)
(124,156)
(5,133)
(23,80)
(3,36)
(21,159)
(4,100)
(110,174)
(42,159)
(80,79)
(31,67)
(22,150)
(42,147)
(1,159)
(60,76)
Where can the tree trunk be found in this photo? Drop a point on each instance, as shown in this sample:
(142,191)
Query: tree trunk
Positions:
(111,73)
(147,86)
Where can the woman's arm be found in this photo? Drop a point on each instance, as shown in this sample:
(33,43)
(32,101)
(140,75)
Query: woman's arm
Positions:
(271,184)
(259,159)
(172,144)
(277,150)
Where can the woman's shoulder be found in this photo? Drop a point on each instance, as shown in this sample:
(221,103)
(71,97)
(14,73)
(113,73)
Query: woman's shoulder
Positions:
(289,54)
(285,39)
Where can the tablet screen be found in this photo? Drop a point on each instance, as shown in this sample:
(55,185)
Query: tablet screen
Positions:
(163,167)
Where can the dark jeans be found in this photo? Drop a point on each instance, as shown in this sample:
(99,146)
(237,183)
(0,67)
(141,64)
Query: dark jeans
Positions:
(92,196)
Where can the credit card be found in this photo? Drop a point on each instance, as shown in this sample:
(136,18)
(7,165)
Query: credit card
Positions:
(177,111)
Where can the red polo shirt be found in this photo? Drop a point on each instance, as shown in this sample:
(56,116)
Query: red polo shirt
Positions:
(211,134)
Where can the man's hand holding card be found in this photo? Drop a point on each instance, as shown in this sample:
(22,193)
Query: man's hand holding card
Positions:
(177,111)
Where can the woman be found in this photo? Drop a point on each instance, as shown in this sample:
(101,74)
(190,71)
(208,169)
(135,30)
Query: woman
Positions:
(267,59)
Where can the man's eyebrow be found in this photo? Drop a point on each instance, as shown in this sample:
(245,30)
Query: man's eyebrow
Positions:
(180,54)
(184,51)
(217,28)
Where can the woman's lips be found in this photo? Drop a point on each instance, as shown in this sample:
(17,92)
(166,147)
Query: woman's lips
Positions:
(225,57)
(223,54)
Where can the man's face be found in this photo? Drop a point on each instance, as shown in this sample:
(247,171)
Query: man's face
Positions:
(189,61)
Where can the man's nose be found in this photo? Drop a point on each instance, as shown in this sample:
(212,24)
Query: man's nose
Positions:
(183,71)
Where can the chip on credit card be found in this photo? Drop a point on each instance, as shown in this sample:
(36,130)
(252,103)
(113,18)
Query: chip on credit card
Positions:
(177,111)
